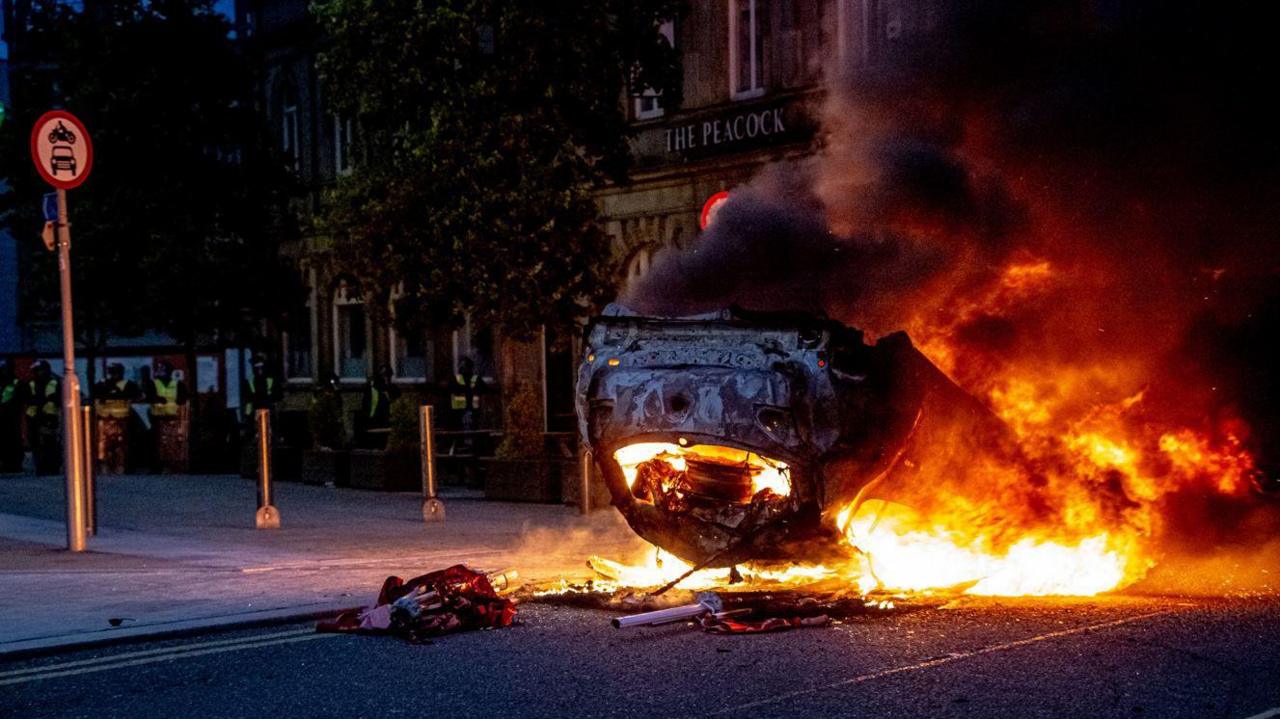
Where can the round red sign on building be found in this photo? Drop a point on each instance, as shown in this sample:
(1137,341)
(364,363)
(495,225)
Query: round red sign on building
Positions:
(711,207)
(61,149)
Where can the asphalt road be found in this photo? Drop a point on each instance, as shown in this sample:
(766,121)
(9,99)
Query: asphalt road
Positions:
(1114,657)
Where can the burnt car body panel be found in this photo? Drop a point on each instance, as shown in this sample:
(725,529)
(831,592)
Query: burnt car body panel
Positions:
(804,390)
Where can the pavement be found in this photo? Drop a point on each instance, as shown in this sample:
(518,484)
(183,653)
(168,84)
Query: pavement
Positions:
(179,553)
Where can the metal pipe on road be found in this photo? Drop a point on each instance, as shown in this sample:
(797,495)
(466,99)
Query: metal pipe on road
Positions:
(267,516)
(432,507)
(90,485)
(72,456)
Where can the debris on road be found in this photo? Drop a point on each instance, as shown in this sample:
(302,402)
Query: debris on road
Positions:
(442,602)
(754,612)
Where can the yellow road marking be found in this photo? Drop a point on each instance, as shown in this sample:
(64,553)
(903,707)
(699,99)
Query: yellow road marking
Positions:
(195,651)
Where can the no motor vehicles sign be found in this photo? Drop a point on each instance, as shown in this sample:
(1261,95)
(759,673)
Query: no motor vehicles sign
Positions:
(61,149)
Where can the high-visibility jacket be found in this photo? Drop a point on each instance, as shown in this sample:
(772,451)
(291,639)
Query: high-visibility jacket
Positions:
(459,401)
(375,397)
(9,392)
(253,389)
(116,407)
(45,402)
(169,393)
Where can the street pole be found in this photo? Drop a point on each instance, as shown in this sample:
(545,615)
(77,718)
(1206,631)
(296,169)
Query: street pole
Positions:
(267,517)
(432,507)
(73,463)
(90,486)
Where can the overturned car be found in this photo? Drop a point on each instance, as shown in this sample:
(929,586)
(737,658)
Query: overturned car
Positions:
(735,436)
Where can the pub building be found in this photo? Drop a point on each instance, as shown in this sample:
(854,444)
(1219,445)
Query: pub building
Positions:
(752,81)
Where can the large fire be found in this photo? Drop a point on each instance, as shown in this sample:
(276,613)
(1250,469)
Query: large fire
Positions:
(1075,512)
(1100,466)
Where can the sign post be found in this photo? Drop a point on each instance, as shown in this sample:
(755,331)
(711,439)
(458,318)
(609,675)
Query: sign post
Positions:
(63,155)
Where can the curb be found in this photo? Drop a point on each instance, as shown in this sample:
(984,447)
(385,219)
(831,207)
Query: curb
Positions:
(46,646)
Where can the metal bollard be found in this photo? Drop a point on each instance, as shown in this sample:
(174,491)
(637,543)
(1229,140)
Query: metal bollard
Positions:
(267,516)
(584,472)
(432,507)
(90,486)
(72,463)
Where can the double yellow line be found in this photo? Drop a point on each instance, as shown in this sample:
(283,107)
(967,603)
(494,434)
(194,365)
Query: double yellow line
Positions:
(152,656)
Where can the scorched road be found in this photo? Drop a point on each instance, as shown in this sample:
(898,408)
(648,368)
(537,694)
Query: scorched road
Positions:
(1112,657)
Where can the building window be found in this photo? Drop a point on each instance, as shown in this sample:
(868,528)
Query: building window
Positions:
(868,29)
(649,104)
(748,47)
(477,344)
(350,333)
(342,145)
(298,340)
(638,265)
(411,356)
(289,129)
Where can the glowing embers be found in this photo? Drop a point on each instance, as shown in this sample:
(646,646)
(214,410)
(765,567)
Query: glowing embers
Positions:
(678,478)
(905,551)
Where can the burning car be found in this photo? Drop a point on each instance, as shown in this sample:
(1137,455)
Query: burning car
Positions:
(735,436)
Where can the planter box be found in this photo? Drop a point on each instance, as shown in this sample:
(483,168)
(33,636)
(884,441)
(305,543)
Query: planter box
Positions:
(397,471)
(326,467)
(523,480)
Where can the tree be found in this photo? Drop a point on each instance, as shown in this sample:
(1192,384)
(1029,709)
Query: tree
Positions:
(486,125)
(177,229)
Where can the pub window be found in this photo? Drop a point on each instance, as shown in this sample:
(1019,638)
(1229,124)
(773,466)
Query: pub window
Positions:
(410,351)
(476,343)
(343,134)
(649,103)
(748,47)
(638,265)
(868,29)
(350,333)
(298,341)
(411,356)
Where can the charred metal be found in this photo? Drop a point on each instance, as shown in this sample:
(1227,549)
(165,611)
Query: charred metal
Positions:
(733,436)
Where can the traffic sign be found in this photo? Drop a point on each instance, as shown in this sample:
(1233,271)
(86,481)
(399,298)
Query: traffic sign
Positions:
(710,208)
(50,207)
(61,149)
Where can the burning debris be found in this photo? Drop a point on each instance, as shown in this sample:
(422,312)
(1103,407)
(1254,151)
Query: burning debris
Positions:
(725,438)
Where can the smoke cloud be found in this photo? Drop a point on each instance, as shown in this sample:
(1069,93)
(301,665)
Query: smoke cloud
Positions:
(1086,194)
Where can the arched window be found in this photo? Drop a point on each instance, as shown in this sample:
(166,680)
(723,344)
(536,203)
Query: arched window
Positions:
(350,332)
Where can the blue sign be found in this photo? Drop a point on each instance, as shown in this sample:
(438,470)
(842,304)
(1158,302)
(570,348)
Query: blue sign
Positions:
(50,206)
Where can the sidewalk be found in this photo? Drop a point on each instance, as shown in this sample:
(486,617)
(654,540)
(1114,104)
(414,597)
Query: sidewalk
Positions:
(176,553)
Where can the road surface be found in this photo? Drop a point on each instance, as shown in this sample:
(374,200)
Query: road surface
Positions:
(1110,657)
